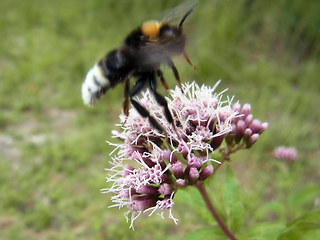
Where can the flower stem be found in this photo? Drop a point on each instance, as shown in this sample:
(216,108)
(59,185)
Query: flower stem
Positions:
(214,212)
(225,155)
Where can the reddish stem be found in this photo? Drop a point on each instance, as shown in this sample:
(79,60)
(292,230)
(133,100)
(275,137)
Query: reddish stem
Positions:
(225,155)
(214,212)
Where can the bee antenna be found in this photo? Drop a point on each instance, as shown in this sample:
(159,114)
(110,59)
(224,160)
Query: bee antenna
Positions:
(187,14)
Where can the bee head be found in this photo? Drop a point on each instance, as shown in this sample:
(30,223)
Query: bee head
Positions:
(150,29)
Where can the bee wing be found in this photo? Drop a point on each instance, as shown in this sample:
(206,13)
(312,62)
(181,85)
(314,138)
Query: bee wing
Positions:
(160,52)
(174,15)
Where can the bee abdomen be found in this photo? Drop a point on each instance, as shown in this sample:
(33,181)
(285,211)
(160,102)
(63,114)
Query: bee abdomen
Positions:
(95,85)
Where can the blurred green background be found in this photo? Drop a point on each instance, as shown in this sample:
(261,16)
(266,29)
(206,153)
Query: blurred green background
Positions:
(53,150)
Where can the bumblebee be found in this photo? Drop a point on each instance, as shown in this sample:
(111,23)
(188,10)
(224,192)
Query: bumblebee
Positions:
(144,50)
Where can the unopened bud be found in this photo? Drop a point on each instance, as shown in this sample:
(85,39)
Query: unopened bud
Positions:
(237,107)
(247,133)
(246,109)
(177,169)
(193,175)
(248,119)
(240,127)
(165,189)
(206,172)
(181,182)
(254,137)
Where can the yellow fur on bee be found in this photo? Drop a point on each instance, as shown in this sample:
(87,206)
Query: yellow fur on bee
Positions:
(150,29)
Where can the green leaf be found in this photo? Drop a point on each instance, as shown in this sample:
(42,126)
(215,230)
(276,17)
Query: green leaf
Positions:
(234,207)
(306,227)
(272,208)
(305,197)
(232,189)
(236,217)
(205,234)
(265,231)
(192,197)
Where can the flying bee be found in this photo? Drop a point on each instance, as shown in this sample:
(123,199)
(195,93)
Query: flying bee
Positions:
(144,50)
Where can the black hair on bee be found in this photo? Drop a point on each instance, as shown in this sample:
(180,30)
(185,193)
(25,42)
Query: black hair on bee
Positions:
(144,50)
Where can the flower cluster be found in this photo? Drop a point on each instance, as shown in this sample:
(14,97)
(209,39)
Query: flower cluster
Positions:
(151,166)
(245,129)
(285,153)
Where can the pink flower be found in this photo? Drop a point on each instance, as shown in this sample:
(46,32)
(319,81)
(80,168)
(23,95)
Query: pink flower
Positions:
(149,167)
(245,129)
(285,153)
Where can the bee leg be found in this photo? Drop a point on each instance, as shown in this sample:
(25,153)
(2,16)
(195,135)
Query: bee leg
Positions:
(125,105)
(163,81)
(138,86)
(144,113)
(186,56)
(175,72)
(141,110)
(162,102)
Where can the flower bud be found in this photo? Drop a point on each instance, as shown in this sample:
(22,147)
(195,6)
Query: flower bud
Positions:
(143,204)
(206,172)
(167,154)
(240,127)
(254,137)
(264,127)
(248,119)
(194,161)
(255,126)
(183,149)
(143,189)
(165,189)
(181,182)
(177,169)
(247,133)
(193,175)
(237,107)
(246,109)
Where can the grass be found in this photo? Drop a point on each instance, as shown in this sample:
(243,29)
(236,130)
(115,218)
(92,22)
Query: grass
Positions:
(53,149)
